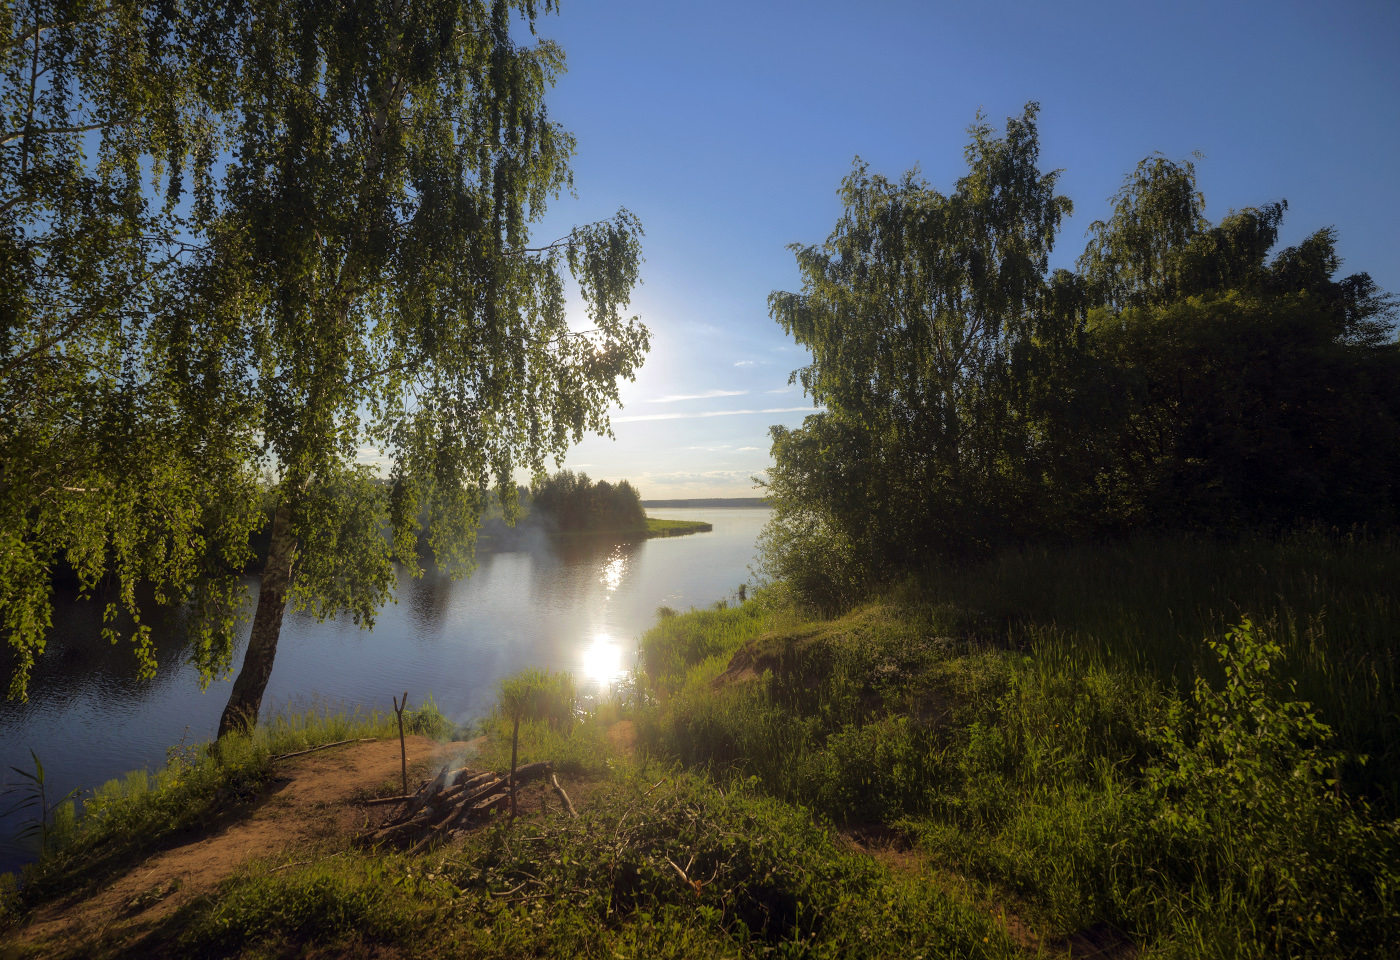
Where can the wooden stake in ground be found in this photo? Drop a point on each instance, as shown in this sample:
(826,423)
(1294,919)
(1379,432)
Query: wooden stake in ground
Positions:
(403,750)
(514,741)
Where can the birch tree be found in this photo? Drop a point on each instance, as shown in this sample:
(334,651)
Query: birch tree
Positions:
(259,238)
(374,245)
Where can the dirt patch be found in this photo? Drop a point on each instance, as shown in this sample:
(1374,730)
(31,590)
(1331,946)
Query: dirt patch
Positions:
(881,842)
(622,736)
(311,804)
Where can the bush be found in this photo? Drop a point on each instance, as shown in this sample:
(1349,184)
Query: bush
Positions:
(1247,803)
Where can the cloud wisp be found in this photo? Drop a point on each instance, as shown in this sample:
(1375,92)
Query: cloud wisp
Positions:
(707,395)
(712,413)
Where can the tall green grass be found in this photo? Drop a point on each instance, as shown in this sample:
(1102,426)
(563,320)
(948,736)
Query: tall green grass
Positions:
(1097,733)
(678,643)
(1151,607)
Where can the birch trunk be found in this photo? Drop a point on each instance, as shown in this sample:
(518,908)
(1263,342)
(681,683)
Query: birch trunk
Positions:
(242,711)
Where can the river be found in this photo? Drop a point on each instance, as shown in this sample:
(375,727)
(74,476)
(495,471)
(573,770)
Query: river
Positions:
(578,606)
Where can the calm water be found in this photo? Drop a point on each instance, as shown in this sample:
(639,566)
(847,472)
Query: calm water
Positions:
(578,606)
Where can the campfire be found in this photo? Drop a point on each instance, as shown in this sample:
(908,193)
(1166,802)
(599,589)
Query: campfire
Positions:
(453,802)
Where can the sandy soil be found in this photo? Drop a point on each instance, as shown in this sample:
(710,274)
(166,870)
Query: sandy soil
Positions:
(310,804)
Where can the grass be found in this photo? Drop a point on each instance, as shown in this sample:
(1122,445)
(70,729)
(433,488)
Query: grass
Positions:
(677,868)
(676,528)
(199,787)
(654,528)
(1096,735)
(1158,738)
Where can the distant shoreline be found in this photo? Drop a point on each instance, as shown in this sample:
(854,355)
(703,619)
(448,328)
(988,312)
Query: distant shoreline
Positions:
(711,502)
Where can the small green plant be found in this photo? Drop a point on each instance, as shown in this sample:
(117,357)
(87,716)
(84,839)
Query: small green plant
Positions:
(1248,805)
(1241,748)
(429,721)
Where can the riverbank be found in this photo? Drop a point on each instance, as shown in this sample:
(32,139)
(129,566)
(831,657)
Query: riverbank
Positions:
(1038,753)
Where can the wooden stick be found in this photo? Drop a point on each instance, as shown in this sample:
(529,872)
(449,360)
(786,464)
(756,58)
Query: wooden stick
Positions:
(324,746)
(403,750)
(302,863)
(563,796)
(514,741)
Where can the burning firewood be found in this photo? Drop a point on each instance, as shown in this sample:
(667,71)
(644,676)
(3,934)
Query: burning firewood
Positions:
(451,802)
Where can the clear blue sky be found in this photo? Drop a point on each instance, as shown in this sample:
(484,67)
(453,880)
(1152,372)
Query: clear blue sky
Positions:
(727,127)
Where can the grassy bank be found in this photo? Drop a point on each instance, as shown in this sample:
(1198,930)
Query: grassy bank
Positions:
(654,528)
(1156,744)
(1113,736)
(676,528)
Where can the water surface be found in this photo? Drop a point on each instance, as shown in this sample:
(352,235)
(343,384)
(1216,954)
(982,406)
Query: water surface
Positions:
(578,606)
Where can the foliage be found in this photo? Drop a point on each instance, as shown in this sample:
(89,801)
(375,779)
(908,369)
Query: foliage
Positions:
(1144,606)
(1251,753)
(975,399)
(922,312)
(323,906)
(677,643)
(675,528)
(354,271)
(535,694)
(428,720)
(1240,762)
(571,503)
(124,456)
(54,819)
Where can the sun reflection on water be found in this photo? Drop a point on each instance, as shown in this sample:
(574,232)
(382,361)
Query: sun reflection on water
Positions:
(602,659)
(613,571)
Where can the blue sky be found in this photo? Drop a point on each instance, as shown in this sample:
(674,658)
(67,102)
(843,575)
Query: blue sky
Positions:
(727,127)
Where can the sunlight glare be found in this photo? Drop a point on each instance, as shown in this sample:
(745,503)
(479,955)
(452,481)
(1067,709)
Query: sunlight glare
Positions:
(602,660)
(613,571)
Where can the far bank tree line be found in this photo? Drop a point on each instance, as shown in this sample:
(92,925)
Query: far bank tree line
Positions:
(1186,376)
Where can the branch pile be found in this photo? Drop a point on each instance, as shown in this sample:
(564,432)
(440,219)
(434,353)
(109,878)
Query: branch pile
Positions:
(449,804)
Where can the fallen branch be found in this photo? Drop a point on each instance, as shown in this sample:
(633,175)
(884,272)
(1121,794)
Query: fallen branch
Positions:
(324,746)
(564,797)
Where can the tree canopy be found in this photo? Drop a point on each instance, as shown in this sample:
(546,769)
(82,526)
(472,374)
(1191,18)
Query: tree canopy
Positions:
(113,457)
(1180,378)
(356,272)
